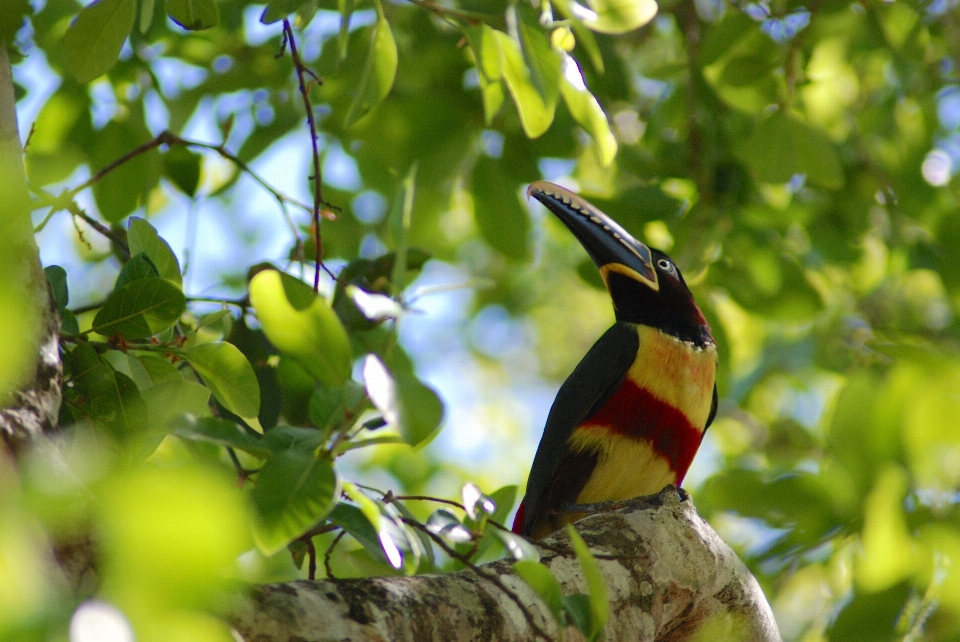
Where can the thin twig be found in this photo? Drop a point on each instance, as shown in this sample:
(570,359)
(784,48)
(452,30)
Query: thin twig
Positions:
(471,16)
(311,560)
(65,200)
(389,497)
(490,577)
(317,175)
(329,554)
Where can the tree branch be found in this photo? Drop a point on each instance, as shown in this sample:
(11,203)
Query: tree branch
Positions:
(30,376)
(669,577)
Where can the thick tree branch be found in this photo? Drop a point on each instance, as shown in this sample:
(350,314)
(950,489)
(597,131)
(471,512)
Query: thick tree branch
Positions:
(30,364)
(669,577)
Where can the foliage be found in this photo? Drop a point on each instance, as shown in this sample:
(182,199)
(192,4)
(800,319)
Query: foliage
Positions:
(798,161)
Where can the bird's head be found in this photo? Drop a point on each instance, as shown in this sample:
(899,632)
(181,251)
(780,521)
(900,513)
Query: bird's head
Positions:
(644,283)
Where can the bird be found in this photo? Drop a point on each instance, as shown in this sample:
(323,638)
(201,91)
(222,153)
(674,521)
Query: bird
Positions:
(629,419)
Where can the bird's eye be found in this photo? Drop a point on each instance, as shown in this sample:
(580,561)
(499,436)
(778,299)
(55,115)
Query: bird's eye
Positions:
(665,265)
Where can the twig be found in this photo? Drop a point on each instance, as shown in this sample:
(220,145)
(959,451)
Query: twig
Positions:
(243,303)
(471,16)
(65,200)
(390,497)
(302,70)
(490,577)
(311,560)
(329,554)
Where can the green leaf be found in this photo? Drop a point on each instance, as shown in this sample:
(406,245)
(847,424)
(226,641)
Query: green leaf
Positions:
(404,401)
(544,584)
(301,324)
(741,63)
(379,71)
(294,491)
(489,58)
(283,438)
(194,15)
(446,525)
(596,587)
(229,375)
(57,278)
(577,607)
(143,237)
(140,309)
(615,16)
(586,110)
(127,186)
(139,267)
(150,370)
(782,145)
(542,60)
(278,9)
(329,407)
(221,432)
(182,167)
(147,8)
(12,15)
(500,216)
(486,51)
(131,414)
(504,498)
(518,546)
(92,43)
(584,36)
(399,222)
(171,398)
(355,522)
(536,110)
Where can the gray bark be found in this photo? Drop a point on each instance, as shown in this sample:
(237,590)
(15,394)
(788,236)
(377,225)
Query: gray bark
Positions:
(668,574)
(31,371)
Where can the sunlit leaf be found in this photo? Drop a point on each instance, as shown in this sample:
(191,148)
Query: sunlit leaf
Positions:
(518,546)
(301,324)
(229,375)
(536,110)
(586,110)
(294,491)
(445,524)
(92,43)
(614,16)
(403,400)
(475,502)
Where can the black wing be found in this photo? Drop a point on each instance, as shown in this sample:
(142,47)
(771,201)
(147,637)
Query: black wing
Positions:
(588,387)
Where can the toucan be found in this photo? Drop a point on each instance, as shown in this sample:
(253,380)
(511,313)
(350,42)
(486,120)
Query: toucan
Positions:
(631,416)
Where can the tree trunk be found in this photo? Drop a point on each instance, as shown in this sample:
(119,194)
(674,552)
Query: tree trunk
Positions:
(30,369)
(669,577)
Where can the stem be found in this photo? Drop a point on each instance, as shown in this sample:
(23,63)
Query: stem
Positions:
(471,16)
(317,176)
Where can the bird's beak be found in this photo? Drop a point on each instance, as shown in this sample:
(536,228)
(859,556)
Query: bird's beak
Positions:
(610,246)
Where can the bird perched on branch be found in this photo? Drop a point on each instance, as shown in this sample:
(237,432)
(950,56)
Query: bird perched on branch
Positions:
(629,419)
